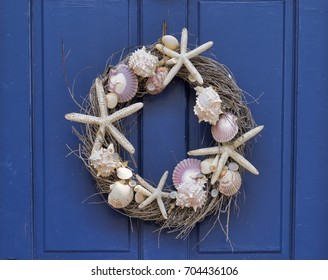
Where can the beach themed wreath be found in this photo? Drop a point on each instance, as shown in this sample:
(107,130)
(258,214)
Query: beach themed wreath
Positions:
(205,183)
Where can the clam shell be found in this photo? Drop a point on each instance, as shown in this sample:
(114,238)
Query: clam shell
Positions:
(233,166)
(186,171)
(205,166)
(121,195)
(226,128)
(170,42)
(230,183)
(123,82)
(124,173)
(139,197)
(111,100)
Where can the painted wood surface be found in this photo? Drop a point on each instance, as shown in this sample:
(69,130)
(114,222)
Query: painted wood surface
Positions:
(275,49)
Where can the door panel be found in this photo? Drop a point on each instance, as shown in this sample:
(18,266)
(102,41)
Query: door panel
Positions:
(254,38)
(68,227)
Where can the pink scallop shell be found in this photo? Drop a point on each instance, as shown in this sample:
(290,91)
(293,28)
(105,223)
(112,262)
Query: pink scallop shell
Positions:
(131,87)
(226,128)
(186,171)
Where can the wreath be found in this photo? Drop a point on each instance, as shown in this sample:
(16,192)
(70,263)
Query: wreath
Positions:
(202,186)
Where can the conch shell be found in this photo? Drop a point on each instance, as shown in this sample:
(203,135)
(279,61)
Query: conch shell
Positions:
(105,161)
(143,63)
(191,195)
(208,105)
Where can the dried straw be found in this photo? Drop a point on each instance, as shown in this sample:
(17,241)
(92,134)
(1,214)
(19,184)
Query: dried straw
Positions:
(180,221)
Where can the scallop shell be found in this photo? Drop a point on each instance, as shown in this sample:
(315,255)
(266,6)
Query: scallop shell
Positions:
(111,100)
(124,173)
(121,195)
(170,42)
(123,82)
(208,105)
(190,194)
(230,183)
(154,84)
(186,171)
(143,63)
(226,128)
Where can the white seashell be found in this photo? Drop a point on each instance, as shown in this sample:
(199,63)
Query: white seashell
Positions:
(191,78)
(186,171)
(230,183)
(190,194)
(139,197)
(226,128)
(123,82)
(233,166)
(208,105)
(170,42)
(124,173)
(121,195)
(111,100)
(214,193)
(105,161)
(154,84)
(205,166)
(143,63)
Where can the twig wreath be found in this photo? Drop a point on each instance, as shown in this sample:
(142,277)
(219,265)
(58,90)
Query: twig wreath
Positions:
(201,187)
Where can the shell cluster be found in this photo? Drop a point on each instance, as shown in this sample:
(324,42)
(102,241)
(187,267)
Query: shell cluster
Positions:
(208,105)
(105,161)
(143,63)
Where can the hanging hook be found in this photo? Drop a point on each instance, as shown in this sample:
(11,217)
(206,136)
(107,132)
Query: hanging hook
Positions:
(164,28)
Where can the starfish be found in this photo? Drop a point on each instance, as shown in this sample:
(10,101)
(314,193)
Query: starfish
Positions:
(183,58)
(106,121)
(154,193)
(228,150)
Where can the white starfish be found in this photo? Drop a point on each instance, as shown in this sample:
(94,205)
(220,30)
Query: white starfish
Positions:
(106,121)
(228,150)
(155,193)
(183,58)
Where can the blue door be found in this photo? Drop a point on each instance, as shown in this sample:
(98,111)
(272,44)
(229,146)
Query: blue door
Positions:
(277,51)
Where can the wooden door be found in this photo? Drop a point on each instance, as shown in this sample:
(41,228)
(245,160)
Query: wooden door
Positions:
(276,50)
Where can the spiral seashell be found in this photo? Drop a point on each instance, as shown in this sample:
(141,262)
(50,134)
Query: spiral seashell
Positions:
(154,84)
(121,195)
(226,128)
(230,183)
(190,194)
(186,171)
(105,161)
(208,105)
(170,42)
(123,82)
(143,63)
(206,166)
